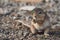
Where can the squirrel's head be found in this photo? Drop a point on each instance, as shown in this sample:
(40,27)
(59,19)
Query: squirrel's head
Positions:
(39,15)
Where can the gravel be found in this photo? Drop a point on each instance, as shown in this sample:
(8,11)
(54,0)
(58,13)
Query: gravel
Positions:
(9,32)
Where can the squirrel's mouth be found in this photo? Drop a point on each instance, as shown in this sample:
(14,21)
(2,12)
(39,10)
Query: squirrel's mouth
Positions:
(38,21)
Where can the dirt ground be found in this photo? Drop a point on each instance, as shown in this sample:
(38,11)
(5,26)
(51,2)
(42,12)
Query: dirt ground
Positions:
(9,32)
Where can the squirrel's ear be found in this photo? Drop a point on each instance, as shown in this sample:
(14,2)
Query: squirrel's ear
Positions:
(47,14)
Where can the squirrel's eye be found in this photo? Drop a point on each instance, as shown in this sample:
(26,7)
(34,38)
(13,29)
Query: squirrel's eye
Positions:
(40,13)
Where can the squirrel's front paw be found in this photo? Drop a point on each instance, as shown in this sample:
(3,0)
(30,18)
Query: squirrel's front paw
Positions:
(33,30)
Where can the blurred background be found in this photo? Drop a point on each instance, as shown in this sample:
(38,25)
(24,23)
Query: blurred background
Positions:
(9,10)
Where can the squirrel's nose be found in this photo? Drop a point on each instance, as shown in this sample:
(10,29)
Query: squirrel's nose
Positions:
(34,20)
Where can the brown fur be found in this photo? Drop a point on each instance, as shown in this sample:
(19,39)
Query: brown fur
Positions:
(40,21)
